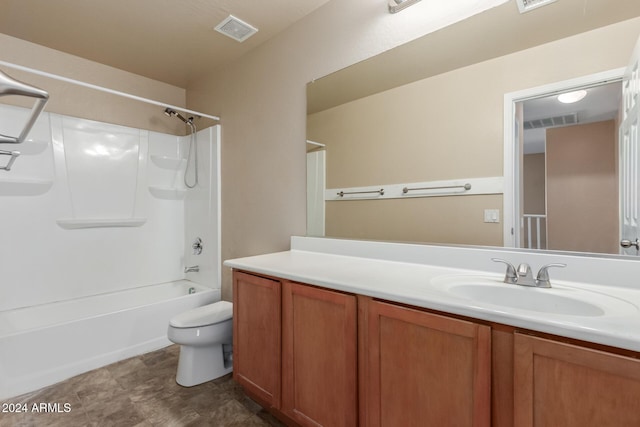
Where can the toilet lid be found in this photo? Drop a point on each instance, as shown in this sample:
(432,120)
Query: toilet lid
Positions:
(203,316)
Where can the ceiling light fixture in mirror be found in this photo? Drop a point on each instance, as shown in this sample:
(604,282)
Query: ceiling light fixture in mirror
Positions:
(572,97)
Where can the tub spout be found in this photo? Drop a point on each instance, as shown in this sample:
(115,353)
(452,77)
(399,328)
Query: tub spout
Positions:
(194,268)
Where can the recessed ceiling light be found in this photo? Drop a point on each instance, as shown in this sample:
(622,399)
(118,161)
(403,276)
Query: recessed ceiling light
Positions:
(571,97)
(236,28)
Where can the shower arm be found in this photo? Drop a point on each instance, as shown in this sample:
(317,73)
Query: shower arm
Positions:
(11,86)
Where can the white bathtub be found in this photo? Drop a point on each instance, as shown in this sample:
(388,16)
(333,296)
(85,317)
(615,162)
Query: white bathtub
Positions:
(44,344)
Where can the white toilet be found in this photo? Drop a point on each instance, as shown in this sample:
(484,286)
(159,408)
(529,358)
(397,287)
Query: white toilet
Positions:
(205,337)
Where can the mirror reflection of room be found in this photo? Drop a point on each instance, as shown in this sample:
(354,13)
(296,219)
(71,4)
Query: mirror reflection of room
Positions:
(448,129)
(570,170)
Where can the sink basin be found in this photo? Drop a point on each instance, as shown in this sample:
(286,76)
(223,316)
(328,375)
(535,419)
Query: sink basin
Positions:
(527,299)
(560,299)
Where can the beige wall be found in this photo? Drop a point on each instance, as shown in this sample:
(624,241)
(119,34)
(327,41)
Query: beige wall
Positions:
(406,135)
(261,99)
(533,175)
(400,136)
(73,100)
(427,219)
(582,188)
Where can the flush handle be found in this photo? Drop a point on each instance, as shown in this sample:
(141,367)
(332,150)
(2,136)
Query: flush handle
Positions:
(626,243)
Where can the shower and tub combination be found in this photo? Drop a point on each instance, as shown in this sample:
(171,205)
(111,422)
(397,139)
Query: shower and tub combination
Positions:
(103,226)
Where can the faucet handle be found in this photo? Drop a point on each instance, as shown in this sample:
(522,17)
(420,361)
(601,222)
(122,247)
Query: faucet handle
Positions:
(197,246)
(542,280)
(510,276)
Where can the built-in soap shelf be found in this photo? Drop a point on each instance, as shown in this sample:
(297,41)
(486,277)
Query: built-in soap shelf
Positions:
(168,193)
(24,186)
(165,162)
(72,224)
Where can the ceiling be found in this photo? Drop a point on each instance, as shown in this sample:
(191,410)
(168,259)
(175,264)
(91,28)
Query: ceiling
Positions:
(170,41)
(175,42)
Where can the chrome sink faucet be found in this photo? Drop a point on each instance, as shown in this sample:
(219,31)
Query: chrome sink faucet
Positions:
(523,275)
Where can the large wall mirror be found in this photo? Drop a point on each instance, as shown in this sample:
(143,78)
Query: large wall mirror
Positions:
(410,145)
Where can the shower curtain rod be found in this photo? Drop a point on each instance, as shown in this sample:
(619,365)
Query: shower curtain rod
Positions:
(315,143)
(104,89)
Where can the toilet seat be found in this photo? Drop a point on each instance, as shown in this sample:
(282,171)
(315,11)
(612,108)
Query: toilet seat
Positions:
(206,315)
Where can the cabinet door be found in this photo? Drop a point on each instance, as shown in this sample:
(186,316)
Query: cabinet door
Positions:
(319,356)
(422,369)
(256,336)
(559,384)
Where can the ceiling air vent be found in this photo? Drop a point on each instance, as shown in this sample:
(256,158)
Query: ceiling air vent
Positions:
(527,5)
(236,28)
(547,122)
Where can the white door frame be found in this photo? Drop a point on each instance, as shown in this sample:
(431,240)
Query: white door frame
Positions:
(511,205)
(316,185)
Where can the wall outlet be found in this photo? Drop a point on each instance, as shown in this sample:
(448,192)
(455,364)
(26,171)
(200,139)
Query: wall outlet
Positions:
(492,215)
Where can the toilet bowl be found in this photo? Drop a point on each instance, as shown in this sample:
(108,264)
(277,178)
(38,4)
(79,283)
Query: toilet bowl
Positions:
(205,337)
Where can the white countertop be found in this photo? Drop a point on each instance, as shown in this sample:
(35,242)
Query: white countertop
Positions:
(413,283)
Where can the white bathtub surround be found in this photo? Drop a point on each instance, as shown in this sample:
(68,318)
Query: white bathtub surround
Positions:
(202,210)
(92,209)
(413,274)
(77,206)
(42,345)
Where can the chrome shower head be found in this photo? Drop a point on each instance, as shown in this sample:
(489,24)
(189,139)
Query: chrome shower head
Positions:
(169,112)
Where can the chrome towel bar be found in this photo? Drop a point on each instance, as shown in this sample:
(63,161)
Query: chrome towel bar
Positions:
(342,193)
(467,186)
(11,86)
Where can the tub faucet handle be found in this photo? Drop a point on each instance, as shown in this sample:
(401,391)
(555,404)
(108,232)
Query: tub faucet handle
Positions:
(197,246)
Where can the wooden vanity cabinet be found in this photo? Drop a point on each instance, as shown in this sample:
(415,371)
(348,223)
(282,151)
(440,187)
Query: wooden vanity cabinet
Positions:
(295,350)
(559,384)
(257,336)
(422,369)
(319,357)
